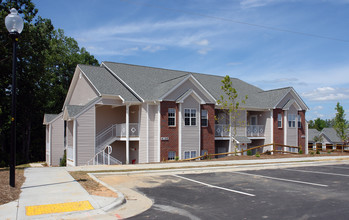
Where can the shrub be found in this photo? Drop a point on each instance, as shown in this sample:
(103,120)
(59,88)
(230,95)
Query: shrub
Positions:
(329,151)
(176,158)
(300,152)
(2,163)
(312,152)
(257,154)
(63,161)
(317,152)
(249,153)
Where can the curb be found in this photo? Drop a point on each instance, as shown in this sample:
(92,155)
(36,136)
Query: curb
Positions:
(118,202)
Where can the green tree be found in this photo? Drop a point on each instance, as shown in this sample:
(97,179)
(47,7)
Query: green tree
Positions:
(229,102)
(46,63)
(340,123)
(318,124)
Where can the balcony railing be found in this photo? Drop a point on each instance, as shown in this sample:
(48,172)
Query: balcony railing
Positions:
(255,130)
(221,130)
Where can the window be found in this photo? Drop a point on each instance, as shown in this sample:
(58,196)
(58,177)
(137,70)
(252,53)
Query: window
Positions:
(190,117)
(299,121)
(279,120)
(171,155)
(204,118)
(291,120)
(193,154)
(189,154)
(186,154)
(171,117)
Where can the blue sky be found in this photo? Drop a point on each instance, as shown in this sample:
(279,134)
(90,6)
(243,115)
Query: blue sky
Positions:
(239,38)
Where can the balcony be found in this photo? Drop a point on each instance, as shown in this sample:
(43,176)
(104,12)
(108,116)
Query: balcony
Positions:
(222,130)
(116,131)
(255,130)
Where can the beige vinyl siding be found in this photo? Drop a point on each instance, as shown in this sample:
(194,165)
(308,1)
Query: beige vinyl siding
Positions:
(183,88)
(69,136)
(143,134)
(153,133)
(119,151)
(85,136)
(57,141)
(83,92)
(268,127)
(48,142)
(191,134)
(292,132)
(107,115)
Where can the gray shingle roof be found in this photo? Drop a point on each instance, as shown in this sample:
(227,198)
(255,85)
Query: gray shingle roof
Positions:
(48,118)
(106,83)
(243,140)
(312,133)
(74,110)
(331,134)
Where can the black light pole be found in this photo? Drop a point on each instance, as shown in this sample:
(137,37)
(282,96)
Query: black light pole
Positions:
(14,24)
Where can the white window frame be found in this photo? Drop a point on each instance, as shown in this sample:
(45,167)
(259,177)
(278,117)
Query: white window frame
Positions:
(291,120)
(186,152)
(299,119)
(174,155)
(174,117)
(279,120)
(191,154)
(191,110)
(204,117)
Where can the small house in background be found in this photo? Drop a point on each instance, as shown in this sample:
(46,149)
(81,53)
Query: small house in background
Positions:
(121,113)
(54,138)
(325,140)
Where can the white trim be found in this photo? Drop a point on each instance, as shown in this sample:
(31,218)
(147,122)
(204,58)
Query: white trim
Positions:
(50,144)
(53,120)
(199,151)
(272,128)
(180,124)
(294,102)
(187,94)
(297,96)
(230,134)
(199,86)
(196,116)
(99,94)
(175,124)
(285,127)
(306,137)
(159,133)
(127,134)
(122,82)
(75,150)
(147,133)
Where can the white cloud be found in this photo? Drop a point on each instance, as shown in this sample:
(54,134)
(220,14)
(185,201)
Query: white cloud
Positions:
(327,94)
(319,107)
(203,51)
(153,49)
(256,3)
(203,42)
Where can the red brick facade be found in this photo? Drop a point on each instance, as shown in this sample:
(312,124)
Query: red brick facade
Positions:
(170,132)
(278,133)
(301,131)
(207,133)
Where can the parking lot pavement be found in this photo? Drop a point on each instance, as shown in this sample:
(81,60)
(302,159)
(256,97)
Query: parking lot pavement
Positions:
(313,192)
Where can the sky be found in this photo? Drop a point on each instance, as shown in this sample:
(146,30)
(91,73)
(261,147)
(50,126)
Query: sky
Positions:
(268,43)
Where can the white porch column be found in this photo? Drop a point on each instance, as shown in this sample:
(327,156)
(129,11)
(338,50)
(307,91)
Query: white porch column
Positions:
(180,131)
(75,156)
(285,128)
(50,144)
(127,134)
(230,134)
(272,129)
(306,138)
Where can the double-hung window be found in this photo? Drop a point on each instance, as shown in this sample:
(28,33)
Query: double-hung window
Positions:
(299,121)
(291,120)
(190,117)
(189,154)
(204,118)
(279,120)
(171,117)
(171,155)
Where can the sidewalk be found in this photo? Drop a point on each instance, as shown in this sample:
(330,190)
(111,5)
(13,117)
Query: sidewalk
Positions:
(53,191)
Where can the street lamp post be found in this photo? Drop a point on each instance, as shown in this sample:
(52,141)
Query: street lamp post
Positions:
(14,24)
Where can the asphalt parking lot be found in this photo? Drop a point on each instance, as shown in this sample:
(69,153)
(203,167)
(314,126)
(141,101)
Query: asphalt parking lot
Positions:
(311,192)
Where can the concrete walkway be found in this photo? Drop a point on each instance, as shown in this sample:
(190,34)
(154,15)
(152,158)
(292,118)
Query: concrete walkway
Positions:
(52,190)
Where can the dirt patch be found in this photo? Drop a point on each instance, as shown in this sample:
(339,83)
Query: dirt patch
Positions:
(91,186)
(8,193)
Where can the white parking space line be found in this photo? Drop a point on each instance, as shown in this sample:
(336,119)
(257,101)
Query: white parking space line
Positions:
(287,180)
(318,172)
(337,167)
(212,186)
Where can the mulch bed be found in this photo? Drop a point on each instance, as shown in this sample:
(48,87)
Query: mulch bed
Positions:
(8,193)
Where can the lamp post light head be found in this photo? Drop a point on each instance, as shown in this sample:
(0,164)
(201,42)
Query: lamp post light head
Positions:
(14,23)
